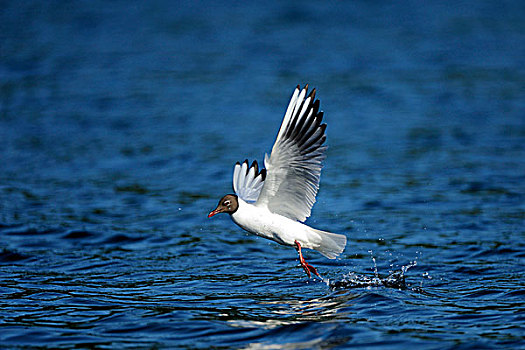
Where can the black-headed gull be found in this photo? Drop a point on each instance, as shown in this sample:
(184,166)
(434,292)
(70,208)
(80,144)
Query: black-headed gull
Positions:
(273,203)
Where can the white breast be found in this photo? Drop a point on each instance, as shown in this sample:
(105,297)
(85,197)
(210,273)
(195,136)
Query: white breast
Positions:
(261,222)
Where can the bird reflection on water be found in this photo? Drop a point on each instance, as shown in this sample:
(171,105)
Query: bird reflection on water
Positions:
(297,311)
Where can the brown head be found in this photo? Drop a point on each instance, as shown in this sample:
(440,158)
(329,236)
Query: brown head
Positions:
(228,204)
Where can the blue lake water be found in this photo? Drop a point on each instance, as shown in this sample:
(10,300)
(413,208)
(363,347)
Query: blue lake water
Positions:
(120,123)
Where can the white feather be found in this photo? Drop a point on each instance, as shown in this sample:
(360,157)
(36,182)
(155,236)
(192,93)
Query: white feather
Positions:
(246,183)
(288,114)
(294,166)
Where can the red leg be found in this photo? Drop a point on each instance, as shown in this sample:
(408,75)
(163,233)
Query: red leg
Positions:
(307,267)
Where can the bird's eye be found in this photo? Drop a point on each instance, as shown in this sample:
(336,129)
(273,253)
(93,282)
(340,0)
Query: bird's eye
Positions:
(226,203)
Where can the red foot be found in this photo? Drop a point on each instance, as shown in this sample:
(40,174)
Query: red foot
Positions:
(306,267)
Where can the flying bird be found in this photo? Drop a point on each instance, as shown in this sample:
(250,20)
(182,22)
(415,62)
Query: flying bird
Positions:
(274,202)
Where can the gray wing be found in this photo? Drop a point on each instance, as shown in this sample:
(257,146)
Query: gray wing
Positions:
(293,169)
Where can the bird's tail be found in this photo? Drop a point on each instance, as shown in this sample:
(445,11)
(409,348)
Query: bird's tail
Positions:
(331,244)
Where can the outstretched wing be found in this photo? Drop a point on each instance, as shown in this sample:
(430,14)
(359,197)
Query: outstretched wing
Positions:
(248,180)
(294,166)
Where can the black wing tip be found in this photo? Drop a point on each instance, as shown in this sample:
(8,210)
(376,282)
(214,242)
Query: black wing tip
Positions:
(316,105)
(304,88)
(296,127)
(295,124)
(254,165)
(312,95)
(262,172)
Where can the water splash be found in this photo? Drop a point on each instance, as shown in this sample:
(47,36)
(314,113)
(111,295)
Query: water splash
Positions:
(375,263)
(395,279)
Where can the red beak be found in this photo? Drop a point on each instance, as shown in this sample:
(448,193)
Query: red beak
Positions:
(216,211)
